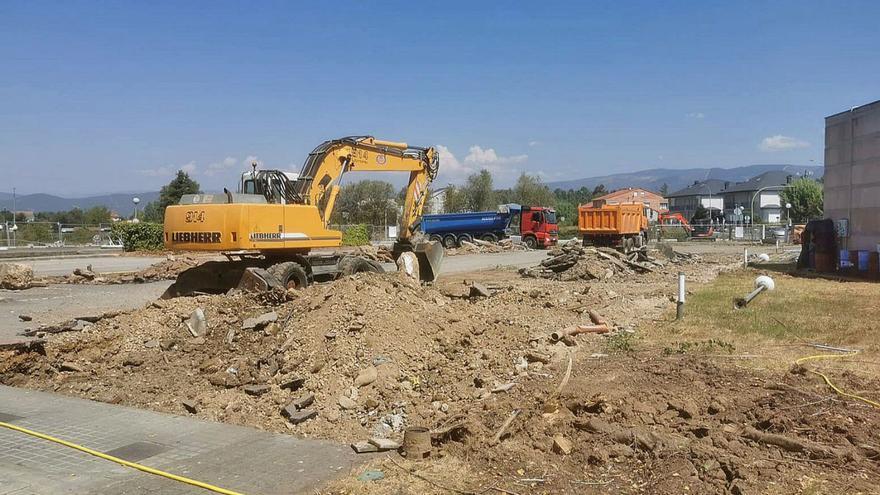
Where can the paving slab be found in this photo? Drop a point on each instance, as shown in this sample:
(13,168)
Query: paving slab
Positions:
(237,458)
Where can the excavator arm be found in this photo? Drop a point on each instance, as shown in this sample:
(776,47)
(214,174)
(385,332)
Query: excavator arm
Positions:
(318,182)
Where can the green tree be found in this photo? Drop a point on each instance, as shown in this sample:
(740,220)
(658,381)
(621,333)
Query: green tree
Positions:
(170,194)
(152,213)
(599,190)
(530,191)
(454,200)
(369,202)
(96,215)
(701,214)
(664,189)
(566,212)
(478,192)
(806,198)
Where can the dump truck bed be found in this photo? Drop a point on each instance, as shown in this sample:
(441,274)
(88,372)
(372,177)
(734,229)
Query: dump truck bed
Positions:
(623,219)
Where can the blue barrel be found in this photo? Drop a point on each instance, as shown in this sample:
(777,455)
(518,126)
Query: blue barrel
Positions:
(863,261)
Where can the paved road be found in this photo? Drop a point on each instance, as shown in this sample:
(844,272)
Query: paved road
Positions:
(57,303)
(101,264)
(474,262)
(242,459)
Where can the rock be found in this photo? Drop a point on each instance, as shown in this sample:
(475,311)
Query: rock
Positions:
(259,322)
(15,276)
(292,383)
(298,416)
(191,406)
(366,377)
(479,290)
(256,390)
(304,401)
(408,266)
(384,444)
(687,409)
(69,366)
(25,317)
(151,344)
(87,274)
(196,323)
(371,475)
(347,403)
(562,445)
(364,447)
(133,361)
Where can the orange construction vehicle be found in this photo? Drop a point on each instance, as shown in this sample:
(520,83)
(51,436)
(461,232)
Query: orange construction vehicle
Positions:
(624,226)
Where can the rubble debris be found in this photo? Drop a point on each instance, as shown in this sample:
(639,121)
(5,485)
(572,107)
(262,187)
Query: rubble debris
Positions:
(366,376)
(25,317)
(476,246)
(297,416)
(16,276)
(562,445)
(571,261)
(87,274)
(364,447)
(304,401)
(196,323)
(384,444)
(292,383)
(256,390)
(479,290)
(70,367)
(259,322)
(167,269)
(191,406)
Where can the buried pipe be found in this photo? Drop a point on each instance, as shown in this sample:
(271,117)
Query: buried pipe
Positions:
(762,283)
(600,325)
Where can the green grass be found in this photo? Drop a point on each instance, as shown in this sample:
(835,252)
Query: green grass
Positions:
(805,308)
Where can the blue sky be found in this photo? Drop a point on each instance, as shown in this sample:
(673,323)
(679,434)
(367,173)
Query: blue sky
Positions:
(115,96)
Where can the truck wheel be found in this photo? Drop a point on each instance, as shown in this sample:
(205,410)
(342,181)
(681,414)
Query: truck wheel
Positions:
(435,238)
(489,238)
(531,242)
(291,274)
(349,265)
(464,238)
(449,241)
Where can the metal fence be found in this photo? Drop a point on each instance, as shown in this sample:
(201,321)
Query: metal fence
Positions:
(49,234)
(767,233)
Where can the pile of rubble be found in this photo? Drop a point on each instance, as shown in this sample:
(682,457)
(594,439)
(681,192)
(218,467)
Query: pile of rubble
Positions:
(167,269)
(381,253)
(572,261)
(481,246)
(16,276)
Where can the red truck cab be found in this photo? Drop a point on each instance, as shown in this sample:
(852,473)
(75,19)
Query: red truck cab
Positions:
(538,227)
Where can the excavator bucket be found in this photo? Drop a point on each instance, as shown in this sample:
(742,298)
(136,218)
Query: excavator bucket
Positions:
(430,256)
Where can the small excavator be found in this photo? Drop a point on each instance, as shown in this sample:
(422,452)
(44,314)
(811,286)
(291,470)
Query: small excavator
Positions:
(268,228)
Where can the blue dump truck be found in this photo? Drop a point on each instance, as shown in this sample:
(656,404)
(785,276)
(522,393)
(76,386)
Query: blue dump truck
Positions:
(536,224)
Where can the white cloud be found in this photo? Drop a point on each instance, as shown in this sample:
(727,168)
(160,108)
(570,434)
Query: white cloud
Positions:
(217,167)
(696,115)
(190,168)
(253,159)
(166,171)
(488,157)
(781,143)
(532,144)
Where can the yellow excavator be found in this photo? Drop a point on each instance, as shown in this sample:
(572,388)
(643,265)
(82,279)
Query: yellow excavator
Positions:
(268,228)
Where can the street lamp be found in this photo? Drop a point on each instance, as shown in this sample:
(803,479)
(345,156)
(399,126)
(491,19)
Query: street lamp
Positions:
(136,200)
(788,213)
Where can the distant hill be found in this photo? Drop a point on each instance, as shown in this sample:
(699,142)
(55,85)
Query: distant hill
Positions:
(120,203)
(675,179)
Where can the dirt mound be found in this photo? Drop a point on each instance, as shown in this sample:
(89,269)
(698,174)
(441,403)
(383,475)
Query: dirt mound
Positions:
(480,246)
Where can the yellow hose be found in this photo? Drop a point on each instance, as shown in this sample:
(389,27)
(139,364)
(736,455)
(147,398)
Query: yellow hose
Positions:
(117,460)
(828,380)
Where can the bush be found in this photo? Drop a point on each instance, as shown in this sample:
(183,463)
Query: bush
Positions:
(356,235)
(138,236)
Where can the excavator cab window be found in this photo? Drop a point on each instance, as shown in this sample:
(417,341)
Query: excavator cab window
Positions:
(249,187)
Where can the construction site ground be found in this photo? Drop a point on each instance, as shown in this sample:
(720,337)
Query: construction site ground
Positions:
(710,404)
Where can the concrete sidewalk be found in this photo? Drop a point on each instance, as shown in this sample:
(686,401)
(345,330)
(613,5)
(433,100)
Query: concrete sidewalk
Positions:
(242,459)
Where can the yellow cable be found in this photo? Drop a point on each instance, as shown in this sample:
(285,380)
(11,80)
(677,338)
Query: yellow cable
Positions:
(117,460)
(828,380)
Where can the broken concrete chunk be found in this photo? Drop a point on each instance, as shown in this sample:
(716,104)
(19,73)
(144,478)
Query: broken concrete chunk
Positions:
(69,366)
(384,444)
(256,390)
(196,323)
(347,403)
(292,383)
(190,405)
(298,416)
(259,322)
(562,445)
(25,317)
(479,290)
(503,388)
(364,447)
(16,276)
(151,344)
(304,401)
(366,376)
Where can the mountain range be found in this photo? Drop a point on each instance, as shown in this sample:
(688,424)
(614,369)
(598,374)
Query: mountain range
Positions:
(652,179)
(119,202)
(675,179)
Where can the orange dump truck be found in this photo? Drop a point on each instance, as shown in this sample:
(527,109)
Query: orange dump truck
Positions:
(622,226)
